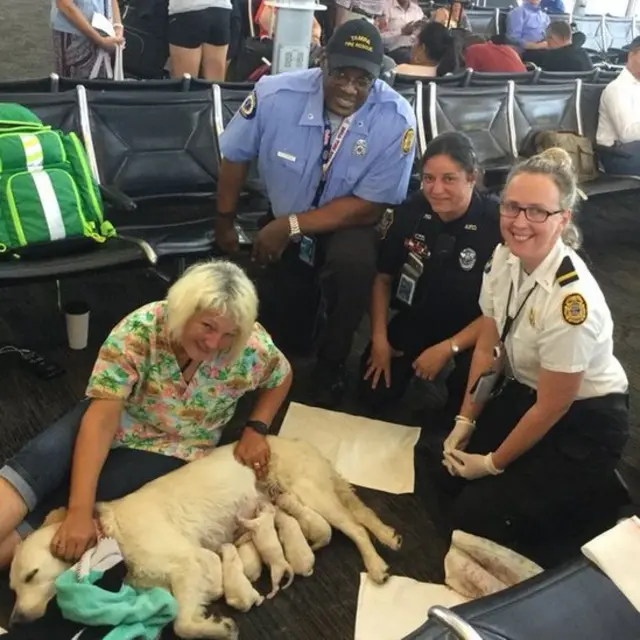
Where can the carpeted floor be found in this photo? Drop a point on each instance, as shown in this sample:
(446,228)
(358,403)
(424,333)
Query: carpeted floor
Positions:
(323,606)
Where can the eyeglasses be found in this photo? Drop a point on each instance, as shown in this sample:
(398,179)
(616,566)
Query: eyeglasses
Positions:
(362,83)
(510,209)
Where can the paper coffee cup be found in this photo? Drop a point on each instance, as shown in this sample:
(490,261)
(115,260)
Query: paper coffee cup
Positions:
(77,319)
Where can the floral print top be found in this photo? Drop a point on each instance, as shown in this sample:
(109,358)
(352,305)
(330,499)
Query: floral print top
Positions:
(162,413)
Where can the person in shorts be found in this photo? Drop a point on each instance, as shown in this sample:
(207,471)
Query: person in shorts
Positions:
(199,35)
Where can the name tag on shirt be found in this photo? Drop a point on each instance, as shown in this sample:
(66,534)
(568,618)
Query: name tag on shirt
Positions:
(286,156)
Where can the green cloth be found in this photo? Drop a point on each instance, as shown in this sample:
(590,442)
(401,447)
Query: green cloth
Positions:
(133,613)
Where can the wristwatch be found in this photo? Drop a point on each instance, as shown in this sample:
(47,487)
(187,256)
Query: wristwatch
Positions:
(257,425)
(295,235)
(455,349)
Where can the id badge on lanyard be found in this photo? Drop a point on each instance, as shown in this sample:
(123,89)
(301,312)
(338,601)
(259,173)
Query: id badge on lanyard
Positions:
(409,276)
(329,150)
(491,382)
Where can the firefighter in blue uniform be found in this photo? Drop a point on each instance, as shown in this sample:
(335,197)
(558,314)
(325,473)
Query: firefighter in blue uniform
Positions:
(334,148)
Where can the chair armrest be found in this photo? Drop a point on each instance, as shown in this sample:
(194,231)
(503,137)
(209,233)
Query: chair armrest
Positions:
(116,198)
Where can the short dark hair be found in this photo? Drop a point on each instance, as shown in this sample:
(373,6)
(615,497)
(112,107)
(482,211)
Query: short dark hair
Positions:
(442,47)
(456,146)
(560,29)
(635,44)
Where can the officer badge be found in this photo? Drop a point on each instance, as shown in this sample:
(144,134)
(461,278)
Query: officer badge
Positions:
(360,148)
(249,106)
(407,140)
(574,309)
(467,258)
(532,318)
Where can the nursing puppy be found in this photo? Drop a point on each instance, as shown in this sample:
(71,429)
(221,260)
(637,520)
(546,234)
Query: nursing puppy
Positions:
(169,529)
(238,590)
(314,527)
(265,537)
(296,548)
(251,560)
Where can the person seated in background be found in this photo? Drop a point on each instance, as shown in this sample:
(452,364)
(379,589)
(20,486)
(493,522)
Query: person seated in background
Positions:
(490,57)
(618,134)
(432,255)
(265,17)
(527,25)
(546,413)
(561,54)
(435,53)
(370,10)
(166,381)
(552,6)
(398,26)
(452,18)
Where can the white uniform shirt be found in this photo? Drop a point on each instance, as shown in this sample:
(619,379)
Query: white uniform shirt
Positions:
(619,113)
(564,326)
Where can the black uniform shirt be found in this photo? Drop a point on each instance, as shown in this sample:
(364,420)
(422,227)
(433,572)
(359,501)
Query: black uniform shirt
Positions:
(447,293)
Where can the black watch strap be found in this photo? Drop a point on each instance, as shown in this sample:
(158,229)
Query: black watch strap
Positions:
(259,426)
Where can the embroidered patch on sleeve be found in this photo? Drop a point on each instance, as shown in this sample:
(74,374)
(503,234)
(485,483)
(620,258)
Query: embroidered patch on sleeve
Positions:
(574,309)
(407,140)
(249,107)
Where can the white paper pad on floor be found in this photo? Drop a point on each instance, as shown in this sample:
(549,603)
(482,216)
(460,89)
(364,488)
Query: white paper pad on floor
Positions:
(368,453)
(617,553)
(395,609)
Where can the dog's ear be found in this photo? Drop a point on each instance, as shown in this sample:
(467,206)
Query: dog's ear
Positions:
(55,517)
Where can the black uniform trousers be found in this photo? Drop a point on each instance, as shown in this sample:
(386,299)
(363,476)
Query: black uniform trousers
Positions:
(550,497)
(411,335)
(293,295)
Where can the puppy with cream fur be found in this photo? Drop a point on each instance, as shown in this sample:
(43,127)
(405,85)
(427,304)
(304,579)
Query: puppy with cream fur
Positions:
(296,548)
(314,527)
(264,536)
(238,590)
(251,560)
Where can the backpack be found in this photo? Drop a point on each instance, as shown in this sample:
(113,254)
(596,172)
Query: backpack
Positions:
(48,195)
(578,147)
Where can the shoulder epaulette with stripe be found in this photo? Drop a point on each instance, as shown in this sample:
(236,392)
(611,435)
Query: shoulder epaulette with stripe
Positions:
(566,273)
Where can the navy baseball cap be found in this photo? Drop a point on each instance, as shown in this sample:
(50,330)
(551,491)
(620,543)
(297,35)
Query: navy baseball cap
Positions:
(356,43)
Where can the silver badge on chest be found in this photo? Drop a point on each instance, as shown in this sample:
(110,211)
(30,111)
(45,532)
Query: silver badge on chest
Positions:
(360,148)
(467,258)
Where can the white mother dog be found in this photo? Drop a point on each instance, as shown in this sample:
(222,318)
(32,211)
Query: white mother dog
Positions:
(168,529)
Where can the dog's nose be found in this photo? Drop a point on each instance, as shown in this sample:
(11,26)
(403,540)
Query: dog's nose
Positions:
(17,617)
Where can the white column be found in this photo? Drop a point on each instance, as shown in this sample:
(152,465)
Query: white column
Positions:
(292,37)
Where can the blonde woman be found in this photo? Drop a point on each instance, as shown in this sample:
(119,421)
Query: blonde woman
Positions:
(545,416)
(166,381)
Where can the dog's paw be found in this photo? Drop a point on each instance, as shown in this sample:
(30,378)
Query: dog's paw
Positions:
(231,629)
(396,542)
(225,628)
(378,571)
(390,538)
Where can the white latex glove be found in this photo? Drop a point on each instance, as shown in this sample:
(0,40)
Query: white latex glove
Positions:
(471,466)
(460,434)
(448,465)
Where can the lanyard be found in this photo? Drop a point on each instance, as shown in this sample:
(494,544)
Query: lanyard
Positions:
(329,151)
(508,323)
